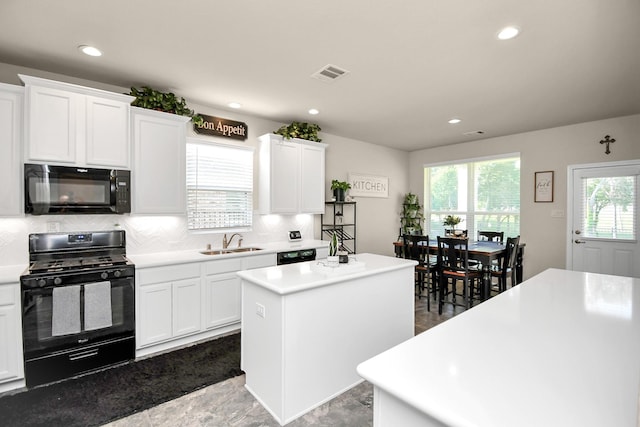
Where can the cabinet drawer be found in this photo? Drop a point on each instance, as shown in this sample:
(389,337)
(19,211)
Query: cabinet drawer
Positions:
(7,295)
(223,266)
(168,273)
(259,261)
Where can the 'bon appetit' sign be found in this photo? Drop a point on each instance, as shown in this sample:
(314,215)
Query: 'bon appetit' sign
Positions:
(216,126)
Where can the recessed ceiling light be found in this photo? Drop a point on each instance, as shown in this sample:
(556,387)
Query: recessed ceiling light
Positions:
(234,105)
(508,33)
(89,50)
(313,111)
(454,121)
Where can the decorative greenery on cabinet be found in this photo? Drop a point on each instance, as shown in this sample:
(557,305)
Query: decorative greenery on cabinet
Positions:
(308,131)
(411,218)
(167,102)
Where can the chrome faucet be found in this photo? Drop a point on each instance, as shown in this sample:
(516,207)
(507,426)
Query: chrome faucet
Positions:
(225,242)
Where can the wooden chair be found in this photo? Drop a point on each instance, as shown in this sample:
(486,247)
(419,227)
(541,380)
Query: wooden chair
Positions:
(507,267)
(491,236)
(425,275)
(453,265)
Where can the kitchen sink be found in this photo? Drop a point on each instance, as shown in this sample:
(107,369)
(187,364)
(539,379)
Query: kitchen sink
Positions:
(244,249)
(229,251)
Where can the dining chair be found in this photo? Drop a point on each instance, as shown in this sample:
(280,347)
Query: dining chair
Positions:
(453,265)
(424,272)
(491,236)
(507,266)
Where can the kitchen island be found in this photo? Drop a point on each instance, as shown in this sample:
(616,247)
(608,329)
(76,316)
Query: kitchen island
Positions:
(306,326)
(561,349)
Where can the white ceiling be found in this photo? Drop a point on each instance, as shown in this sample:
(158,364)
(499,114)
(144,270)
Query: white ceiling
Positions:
(412,64)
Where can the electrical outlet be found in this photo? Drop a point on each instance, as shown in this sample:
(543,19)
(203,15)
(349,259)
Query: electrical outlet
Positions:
(557,213)
(260,310)
(53,226)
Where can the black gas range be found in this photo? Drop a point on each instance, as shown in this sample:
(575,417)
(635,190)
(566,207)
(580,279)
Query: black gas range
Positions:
(78,304)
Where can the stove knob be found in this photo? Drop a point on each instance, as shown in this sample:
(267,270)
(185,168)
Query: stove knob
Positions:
(42,283)
(57,281)
(104,275)
(117,273)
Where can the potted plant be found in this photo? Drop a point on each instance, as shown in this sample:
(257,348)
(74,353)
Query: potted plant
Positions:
(333,259)
(451,221)
(308,131)
(411,217)
(339,189)
(167,102)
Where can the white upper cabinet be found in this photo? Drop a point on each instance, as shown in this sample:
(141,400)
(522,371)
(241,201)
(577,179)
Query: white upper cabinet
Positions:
(76,125)
(159,150)
(291,175)
(10,157)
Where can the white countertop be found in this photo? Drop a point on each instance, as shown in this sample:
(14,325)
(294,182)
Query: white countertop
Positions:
(287,279)
(10,274)
(561,349)
(194,255)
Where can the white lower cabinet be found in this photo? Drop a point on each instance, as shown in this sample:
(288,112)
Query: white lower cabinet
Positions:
(221,300)
(11,367)
(183,303)
(168,303)
(186,303)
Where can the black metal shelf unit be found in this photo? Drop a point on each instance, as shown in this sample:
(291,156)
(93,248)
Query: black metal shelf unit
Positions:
(340,218)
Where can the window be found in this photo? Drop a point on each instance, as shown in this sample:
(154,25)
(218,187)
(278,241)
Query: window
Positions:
(219,186)
(484,193)
(609,206)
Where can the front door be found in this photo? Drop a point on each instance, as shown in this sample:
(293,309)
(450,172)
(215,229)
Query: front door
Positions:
(603,218)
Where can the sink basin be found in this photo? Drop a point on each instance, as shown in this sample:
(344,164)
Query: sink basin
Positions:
(229,251)
(244,249)
(215,252)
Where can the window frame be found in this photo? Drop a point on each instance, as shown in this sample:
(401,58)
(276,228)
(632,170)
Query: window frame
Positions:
(470,213)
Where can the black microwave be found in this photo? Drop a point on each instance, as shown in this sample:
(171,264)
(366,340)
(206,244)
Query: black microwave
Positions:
(55,190)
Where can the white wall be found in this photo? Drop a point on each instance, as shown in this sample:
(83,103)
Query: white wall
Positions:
(378,219)
(546,150)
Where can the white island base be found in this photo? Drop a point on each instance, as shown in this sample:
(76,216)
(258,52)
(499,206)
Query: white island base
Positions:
(305,327)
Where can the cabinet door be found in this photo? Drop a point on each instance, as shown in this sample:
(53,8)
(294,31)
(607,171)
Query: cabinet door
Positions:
(186,307)
(51,125)
(285,172)
(10,334)
(222,299)
(10,159)
(154,315)
(159,163)
(107,132)
(312,179)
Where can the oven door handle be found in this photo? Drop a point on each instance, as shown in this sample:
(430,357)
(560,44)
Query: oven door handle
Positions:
(83,355)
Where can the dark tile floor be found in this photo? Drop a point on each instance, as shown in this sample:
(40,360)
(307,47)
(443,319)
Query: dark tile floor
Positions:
(229,404)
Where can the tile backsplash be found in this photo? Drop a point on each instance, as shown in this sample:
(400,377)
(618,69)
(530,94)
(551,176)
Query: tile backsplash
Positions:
(145,234)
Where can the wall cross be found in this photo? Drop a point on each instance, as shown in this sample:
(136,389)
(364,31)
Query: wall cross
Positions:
(607,140)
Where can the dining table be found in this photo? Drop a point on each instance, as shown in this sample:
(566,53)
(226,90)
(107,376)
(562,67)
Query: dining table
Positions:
(487,253)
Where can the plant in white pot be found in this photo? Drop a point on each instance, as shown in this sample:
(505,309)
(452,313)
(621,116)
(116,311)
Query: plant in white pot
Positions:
(333,259)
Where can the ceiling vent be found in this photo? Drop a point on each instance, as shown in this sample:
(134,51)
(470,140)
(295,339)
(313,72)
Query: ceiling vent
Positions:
(329,73)
(474,133)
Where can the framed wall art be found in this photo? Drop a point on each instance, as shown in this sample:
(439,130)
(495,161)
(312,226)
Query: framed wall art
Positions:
(543,187)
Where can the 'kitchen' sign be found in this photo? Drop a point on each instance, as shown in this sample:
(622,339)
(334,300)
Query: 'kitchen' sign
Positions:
(216,126)
(368,185)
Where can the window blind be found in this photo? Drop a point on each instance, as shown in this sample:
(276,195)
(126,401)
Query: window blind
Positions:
(219,186)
